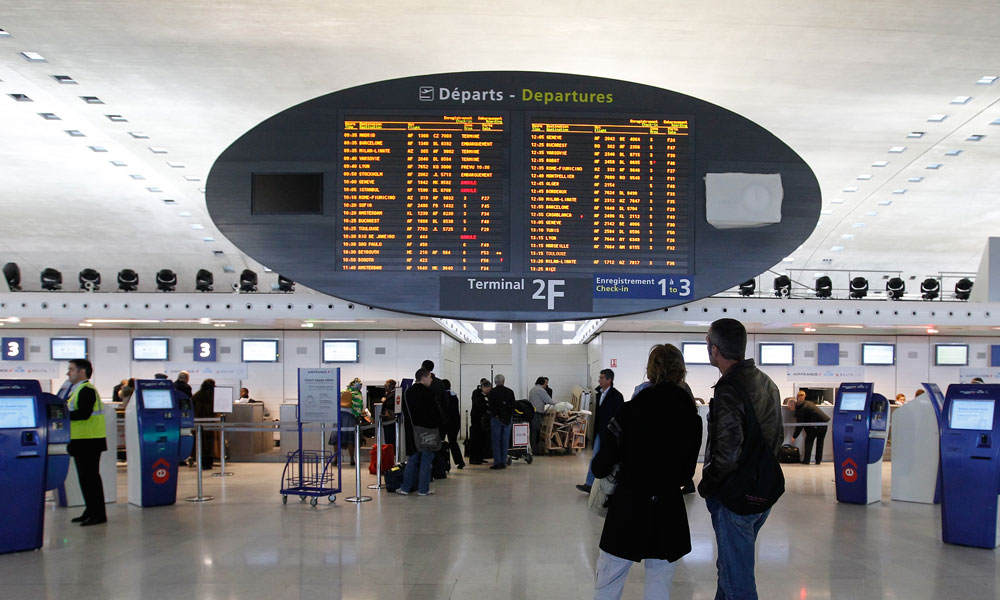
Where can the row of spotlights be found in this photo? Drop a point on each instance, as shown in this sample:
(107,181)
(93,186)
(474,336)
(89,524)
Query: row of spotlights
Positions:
(895,288)
(128,280)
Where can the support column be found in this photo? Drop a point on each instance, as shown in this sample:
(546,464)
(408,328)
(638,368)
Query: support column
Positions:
(518,380)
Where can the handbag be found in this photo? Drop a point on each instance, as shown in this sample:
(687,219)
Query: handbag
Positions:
(601,492)
(426,439)
(758,482)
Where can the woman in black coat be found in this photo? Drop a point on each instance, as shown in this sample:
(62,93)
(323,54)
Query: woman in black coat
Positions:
(479,446)
(655,437)
(204,408)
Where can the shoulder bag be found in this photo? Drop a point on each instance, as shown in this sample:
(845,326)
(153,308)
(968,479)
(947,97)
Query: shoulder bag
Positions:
(758,482)
(425,439)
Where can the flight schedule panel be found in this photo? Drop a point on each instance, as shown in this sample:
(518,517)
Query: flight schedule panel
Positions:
(423,192)
(610,194)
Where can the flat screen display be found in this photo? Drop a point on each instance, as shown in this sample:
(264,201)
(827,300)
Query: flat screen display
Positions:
(695,353)
(340,351)
(853,400)
(150,349)
(17,412)
(68,348)
(878,354)
(971,414)
(260,350)
(157,399)
(951,355)
(776,353)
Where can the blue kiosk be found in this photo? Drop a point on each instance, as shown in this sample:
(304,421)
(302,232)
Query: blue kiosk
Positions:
(153,443)
(970,466)
(860,429)
(34,433)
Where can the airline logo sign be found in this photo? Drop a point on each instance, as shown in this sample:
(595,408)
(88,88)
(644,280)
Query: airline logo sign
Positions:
(849,470)
(161,471)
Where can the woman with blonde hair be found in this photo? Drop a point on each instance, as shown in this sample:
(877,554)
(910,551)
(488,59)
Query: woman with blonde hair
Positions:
(654,440)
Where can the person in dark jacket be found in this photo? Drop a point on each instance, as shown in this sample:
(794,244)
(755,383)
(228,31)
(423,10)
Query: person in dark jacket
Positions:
(654,440)
(420,409)
(501,401)
(452,424)
(436,386)
(736,535)
(182,384)
(609,402)
(806,411)
(204,408)
(480,447)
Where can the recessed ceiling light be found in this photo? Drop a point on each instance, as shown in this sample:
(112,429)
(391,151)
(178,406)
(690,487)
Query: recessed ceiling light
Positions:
(489,326)
(987,80)
(915,179)
(208,239)
(118,163)
(201,190)
(826,211)
(33,56)
(847,236)
(884,202)
(191,178)
(880,163)
(541,326)
(542,341)
(931,330)
(954,152)
(4,33)
(75,133)
(851,189)
(154,190)
(489,340)
(995,122)
(137,176)
(900,191)
(175,165)
(788,259)
(116,118)
(20,97)
(809,329)
(864,177)
(157,150)
(936,118)
(98,148)
(306,325)
(871,213)
(218,253)
(91,99)
(65,79)
(915,134)
(169,201)
(49,116)
(184,213)
(228,269)
(897,149)
(858,225)
(197,226)
(138,135)
(961,99)
(836,248)
(569,326)
(975,137)
(837,201)
(934,166)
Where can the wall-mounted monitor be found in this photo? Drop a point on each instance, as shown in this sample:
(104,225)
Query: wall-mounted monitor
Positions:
(150,349)
(260,351)
(971,414)
(17,412)
(878,354)
(853,400)
(68,348)
(341,351)
(951,355)
(695,353)
(157,399)
(776,353)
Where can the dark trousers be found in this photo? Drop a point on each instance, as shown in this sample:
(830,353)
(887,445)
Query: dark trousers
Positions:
(479,442)
(819,435)
(456,451)
(88,472)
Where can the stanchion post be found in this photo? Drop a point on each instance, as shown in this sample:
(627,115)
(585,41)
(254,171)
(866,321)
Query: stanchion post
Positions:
(399,438)
(222,448)
(357,497)
(378,448)
(197,456)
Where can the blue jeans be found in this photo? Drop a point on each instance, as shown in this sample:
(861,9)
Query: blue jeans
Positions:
(735,536)
(590,469)
(612,570)
(501,440)
(418,461)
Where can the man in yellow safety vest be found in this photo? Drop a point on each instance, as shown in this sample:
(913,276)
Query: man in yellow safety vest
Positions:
(87,440)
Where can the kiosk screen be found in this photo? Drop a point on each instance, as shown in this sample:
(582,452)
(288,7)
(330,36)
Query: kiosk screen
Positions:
(971,414)
(17,412)
(157,399)
(853,401)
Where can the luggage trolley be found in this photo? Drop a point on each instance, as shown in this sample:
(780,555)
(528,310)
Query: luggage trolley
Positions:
(520,433)
(309,474)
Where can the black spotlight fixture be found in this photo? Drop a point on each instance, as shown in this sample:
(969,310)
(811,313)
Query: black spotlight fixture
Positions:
(51,279)
(248,281)
(285,284)
(895,288)
(12,273)
(782,286)
(203,280)
(859,288)
(128,280)
(824,287)
(930,288)
(963,289)
(166,280)
(748,287)
(90,280)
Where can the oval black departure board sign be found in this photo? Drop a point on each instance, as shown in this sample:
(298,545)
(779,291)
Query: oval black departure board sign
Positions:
(513,196)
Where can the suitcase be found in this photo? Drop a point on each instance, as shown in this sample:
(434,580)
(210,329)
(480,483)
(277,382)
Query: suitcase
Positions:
(442,462)
(388,458)
(789,454)
(393,477)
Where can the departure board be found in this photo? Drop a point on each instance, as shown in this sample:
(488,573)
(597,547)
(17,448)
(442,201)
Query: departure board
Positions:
(609,194)
(423,193)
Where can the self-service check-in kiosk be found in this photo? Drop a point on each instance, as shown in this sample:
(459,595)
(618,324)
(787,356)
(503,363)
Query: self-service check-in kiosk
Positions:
(970,466)
(186,409)
(860,429)
(34,433)
(152,443)
(916,473)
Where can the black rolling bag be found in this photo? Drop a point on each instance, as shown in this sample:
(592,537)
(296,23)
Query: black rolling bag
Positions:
(393,478)
(789,454)
(442,462)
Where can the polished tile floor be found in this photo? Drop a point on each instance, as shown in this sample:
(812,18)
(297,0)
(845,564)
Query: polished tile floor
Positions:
(520,533)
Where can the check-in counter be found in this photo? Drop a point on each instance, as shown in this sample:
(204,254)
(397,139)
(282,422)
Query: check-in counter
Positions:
(788,421)
(245,445)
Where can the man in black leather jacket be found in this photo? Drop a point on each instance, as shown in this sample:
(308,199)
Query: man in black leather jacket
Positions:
(736,534)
